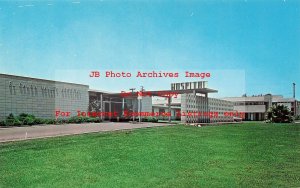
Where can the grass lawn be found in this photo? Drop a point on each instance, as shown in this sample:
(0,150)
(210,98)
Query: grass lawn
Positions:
(244,155)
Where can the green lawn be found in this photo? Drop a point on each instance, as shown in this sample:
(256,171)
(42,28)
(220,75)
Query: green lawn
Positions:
(245,155)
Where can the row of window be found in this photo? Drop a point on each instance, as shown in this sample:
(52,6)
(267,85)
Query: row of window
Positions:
(45,92)
(248,103)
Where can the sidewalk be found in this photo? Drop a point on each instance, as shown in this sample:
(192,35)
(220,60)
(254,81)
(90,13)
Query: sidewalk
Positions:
(42,131)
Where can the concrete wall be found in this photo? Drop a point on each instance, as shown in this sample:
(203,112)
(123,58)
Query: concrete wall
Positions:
(146,103)
(221,107)
(208,107)
(40,97)
(251,108)
(191,103)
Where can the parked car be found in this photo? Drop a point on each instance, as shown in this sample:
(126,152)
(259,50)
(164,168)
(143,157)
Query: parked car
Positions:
(237,119)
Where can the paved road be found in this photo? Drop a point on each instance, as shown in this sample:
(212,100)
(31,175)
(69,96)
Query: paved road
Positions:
(42,131)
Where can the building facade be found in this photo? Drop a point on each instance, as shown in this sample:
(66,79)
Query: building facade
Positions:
(44,98)
(255,107)
(40,97)
(224,110)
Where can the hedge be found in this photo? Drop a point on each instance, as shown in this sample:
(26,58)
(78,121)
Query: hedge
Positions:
(29,119)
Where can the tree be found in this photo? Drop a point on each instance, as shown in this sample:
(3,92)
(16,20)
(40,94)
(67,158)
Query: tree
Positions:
(279,114)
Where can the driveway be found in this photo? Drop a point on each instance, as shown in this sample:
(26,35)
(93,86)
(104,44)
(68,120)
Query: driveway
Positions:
(42,131)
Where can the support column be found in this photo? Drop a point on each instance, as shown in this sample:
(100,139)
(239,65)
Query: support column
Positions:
(207,119)
(132,102)
(101,104)
(123,106)
(139,109)
(195,119)
(110,108)
(169,107)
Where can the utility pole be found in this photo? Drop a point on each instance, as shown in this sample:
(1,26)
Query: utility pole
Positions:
(140,102)
(132,91)
(294,90)
(295,101)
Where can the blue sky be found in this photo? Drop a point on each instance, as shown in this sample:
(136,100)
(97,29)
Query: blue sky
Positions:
(249,47)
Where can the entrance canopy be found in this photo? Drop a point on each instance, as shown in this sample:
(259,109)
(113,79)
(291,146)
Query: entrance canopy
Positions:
(164,93)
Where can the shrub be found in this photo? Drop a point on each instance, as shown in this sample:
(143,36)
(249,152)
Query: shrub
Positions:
(279,114)
(11,120)
(17,122)
(28,121)
(10,116)
(61,121)
(150,119)
(85,119)
(145,119)
(71,120)
(38,121)
(93,120)
(154,120)
(23,116)
(90,120)
(75,119)
(50,121)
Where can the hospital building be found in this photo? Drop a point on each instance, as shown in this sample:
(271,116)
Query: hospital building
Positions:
(41,97)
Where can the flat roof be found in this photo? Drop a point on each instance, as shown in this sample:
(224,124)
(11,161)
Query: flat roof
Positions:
(159,92)
(100,91)
(163,106)
(244,99)
(275,98)
(27,77)
(285,100)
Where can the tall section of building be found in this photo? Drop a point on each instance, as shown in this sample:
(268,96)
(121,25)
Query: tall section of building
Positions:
(223,108)
(201,109)
(40,97)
